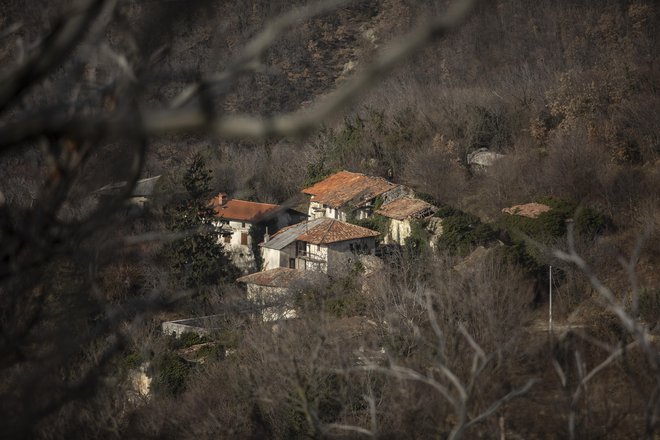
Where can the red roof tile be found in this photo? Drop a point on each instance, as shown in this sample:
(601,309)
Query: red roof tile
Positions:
(531,210)
(332,231)
(404,208)
(278,277)
(344,187)
(242,210)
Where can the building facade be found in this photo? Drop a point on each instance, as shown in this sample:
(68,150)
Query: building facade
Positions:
(345,195)
(321,244)
(242,225)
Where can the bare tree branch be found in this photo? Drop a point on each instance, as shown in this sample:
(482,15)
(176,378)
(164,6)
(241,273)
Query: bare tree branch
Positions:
(250,57)
(66,35)
(161,122)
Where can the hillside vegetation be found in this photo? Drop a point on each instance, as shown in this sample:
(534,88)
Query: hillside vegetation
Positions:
(448,338)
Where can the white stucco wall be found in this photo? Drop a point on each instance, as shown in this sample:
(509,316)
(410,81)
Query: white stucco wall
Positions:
(398,231)
(270,257)
(240,254)
(317,210)
(316,257)
(273,258)
(276,302)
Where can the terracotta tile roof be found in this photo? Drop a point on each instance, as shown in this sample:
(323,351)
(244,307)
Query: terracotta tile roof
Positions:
(278,277)
(317,231)
(406,207)
(242,210)
(531,210)
(332,231)
(344,187)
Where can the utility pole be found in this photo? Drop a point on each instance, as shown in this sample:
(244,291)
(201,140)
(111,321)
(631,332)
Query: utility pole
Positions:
(550,308)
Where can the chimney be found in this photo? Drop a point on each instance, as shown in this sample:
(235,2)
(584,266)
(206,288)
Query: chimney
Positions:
(266,236)
(222,198)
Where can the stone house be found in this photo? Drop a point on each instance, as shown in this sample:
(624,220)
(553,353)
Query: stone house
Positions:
(273,290)
(140,196)
(321,244)
(481,159)
(345,194)
(400,213)
(242,224)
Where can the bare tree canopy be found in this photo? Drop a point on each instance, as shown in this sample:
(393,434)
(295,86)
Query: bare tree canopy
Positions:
(493,168)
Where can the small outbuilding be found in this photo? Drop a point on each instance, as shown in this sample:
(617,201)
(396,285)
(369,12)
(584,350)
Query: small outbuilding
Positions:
(401,213)
(273,290)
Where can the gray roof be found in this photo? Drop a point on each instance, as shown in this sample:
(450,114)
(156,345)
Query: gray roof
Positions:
(483,157)
(288,235)
(143,187)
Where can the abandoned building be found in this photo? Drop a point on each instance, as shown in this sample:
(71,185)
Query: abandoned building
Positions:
(345,194)
(401,213)
(481,159)
(272,291)
(140,196)
(321,244)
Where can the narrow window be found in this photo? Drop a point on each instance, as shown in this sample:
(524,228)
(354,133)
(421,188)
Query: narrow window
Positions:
(244,238)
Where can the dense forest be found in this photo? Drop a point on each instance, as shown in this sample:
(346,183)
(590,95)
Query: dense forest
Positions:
(444,337)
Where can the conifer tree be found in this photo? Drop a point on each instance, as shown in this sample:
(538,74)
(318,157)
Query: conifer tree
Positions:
(197,260)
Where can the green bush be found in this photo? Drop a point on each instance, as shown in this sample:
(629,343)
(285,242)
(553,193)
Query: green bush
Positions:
(212,352)
(461,231)
(418,241)
(169,373)
(185,340)
(551,224)
(518,253)
(375,223)
(130,362)
(446,211)
(589,223)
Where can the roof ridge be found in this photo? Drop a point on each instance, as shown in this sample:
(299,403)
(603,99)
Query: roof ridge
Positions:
(332,222)
(250,201)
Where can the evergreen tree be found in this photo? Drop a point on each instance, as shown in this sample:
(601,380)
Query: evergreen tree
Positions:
(197,260)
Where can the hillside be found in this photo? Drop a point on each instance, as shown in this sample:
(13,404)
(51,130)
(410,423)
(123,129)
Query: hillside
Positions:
(529,129)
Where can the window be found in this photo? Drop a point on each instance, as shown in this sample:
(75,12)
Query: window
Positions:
(292,263)
(242,225)
(301,248)
(244,238)
(227,238)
